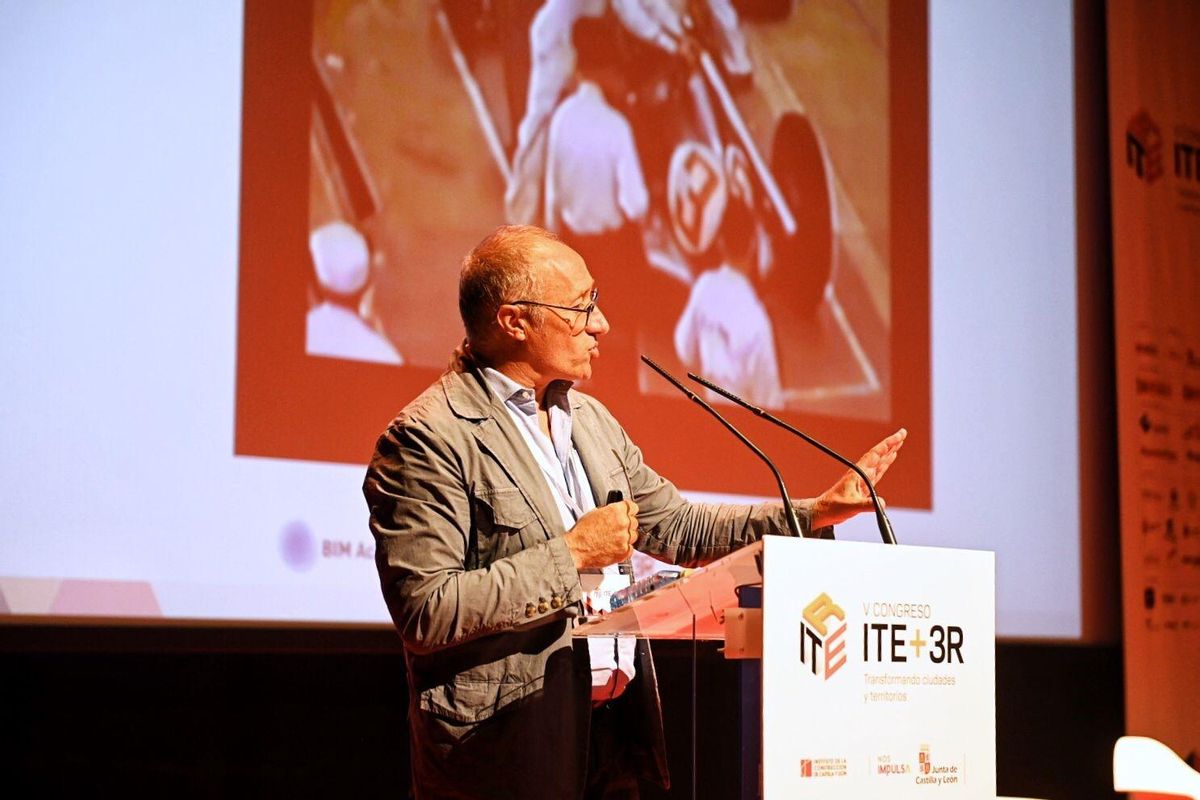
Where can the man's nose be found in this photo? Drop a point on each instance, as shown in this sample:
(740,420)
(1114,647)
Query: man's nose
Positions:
(598,324)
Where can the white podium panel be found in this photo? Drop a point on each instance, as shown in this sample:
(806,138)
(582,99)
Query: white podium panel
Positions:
(879,676)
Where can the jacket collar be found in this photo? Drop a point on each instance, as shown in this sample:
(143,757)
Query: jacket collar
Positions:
(469,397)
(467,394)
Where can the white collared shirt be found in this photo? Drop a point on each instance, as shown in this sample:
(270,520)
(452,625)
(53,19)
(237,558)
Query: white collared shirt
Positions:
(560,465)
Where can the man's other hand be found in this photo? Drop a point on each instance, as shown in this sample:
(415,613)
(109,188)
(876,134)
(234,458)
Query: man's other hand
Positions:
(604,535)
(849,495)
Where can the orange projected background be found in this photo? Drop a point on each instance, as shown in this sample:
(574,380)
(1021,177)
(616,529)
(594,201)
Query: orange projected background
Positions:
(380,140)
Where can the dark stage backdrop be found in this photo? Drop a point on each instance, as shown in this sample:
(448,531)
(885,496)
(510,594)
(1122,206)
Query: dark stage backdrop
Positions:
(308,714)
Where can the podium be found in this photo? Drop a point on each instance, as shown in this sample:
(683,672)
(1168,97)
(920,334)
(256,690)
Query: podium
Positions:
(878,662)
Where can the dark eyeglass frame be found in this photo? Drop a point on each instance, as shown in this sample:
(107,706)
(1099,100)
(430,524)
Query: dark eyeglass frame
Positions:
(587,310)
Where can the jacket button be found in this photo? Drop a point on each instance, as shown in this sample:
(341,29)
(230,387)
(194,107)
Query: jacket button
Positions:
(542,606)
(556,602)
(530,609)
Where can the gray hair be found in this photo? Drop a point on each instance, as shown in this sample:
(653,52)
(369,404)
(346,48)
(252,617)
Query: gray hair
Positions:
(497,271)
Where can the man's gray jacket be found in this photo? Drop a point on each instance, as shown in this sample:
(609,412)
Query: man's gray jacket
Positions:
(480,582)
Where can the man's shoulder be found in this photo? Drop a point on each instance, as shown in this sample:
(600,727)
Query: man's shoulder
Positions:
(429,404)
(443,405)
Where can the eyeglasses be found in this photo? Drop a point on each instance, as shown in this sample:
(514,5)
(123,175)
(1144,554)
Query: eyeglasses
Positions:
(581,312)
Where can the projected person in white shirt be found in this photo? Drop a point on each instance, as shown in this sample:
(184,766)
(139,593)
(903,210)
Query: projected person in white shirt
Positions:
(595,192)
(594,183)
(725,332)
(551,69)
(333,326)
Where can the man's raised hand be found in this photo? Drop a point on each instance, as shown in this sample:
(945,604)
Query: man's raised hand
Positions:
(849,496)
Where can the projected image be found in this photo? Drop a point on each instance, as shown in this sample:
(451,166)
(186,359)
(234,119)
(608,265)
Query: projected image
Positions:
(723,168)
(747,180)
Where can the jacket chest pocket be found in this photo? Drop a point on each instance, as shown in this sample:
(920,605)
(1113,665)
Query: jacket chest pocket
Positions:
(504,523)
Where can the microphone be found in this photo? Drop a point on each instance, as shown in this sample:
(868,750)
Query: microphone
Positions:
(885,525)
(789,512)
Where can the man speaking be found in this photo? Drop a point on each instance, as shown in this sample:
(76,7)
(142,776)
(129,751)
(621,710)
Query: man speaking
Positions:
(487,498)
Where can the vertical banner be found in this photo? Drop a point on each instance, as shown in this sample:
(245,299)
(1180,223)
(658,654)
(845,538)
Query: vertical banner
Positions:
(1154,139)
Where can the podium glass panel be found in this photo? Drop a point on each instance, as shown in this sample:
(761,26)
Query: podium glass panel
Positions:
(702,595)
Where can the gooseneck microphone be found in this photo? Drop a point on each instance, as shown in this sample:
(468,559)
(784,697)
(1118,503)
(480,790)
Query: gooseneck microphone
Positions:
(789,512)
(885,525)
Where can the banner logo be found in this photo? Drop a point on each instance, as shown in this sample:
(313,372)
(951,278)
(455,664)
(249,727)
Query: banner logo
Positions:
(823,637)
(940,773)
(887,766)
(835,767)
(1143,147)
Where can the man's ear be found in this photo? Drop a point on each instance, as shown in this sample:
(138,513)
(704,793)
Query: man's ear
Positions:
(512,322)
